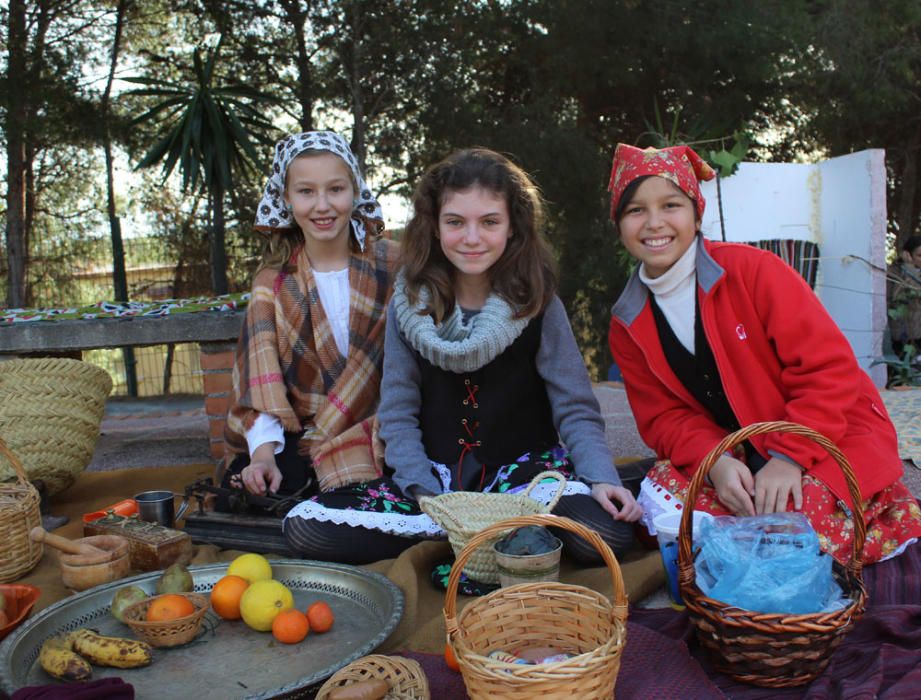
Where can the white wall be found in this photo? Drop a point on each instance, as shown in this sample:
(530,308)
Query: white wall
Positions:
(839,204)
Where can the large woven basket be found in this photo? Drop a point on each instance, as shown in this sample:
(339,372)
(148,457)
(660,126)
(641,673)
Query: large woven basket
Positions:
(19,513)
(50,411)
(405,677)
(463,514)
(571,619)
(771,649)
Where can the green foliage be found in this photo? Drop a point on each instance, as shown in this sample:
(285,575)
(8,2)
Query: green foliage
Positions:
(209,131)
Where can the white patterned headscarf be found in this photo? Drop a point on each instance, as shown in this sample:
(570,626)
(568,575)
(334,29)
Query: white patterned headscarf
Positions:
(272,215)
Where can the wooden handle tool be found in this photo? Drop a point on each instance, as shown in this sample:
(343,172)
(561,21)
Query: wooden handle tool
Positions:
(39,534)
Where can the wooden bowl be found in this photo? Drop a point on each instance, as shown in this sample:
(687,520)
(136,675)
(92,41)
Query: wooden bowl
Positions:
(80,572)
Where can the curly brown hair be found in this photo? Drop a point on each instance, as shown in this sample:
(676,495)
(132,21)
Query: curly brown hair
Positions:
(525,276)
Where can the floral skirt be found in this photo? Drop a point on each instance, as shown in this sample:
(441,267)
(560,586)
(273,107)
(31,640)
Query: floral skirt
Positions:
(892,516)
(381,505)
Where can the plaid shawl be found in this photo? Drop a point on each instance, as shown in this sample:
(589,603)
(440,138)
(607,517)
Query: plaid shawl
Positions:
(288,365)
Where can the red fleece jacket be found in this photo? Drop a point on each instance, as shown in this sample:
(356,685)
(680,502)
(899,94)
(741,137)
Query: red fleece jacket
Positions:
(780,357)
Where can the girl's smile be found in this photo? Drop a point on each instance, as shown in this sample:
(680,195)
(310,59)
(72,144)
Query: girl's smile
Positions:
(658,225)
(473,230)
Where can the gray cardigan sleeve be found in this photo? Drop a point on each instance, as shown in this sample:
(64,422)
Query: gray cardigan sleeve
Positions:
(398,413)
(576,413)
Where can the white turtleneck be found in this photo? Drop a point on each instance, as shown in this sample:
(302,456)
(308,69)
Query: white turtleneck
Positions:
(674,293)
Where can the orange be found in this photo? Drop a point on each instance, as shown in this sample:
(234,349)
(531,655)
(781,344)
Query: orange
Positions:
(226,594)
(290,626)
(320,616)
(450,659)
(169,606)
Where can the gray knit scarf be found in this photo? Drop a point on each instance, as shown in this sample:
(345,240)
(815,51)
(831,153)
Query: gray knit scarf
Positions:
(454,345)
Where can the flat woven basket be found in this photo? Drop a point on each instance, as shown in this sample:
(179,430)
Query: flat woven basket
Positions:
(405,677)
(19,513)
(463,514)
(770,649)
(167,633)
(50,411)
(569,618)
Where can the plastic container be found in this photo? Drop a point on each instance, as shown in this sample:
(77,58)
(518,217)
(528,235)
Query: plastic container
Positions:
(18,601)
(126,508)
(667,526)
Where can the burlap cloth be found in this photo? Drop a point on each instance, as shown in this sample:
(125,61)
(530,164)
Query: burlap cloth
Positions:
(422,626)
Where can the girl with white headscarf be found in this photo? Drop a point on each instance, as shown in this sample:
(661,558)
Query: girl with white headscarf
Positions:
(308,363)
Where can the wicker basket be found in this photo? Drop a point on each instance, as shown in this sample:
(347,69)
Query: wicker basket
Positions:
(572,619)
(463,514)
(168,633)
(770,649)
(19,513)
(406,678)
(50,411)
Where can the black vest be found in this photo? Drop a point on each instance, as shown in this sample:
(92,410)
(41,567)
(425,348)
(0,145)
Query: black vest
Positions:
(496,413)
(700,375)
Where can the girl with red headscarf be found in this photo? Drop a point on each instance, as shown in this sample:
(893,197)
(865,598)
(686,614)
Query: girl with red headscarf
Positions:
(711,337)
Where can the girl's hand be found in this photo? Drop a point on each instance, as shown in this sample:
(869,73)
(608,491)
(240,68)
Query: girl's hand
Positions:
(734,485)
(775,482)
(607,494)
(261,474)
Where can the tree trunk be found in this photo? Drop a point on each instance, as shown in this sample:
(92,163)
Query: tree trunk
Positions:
(217,253)
(907,214)
(297,17)
(353,63)
(15,158)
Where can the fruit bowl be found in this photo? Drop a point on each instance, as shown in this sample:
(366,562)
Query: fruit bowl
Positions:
(167,633)
(19,599)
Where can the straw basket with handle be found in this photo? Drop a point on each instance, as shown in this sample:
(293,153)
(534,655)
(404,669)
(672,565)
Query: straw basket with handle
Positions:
(19,513)
(50,412)
(771,649)
(571,619)
(463,514)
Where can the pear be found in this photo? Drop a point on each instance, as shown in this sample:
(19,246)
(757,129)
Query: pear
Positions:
(124,598)
(176,579)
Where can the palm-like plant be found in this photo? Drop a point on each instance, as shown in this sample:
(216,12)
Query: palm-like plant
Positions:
(210,133)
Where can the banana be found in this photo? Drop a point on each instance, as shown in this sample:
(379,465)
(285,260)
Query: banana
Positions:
(60,661)
(110,651)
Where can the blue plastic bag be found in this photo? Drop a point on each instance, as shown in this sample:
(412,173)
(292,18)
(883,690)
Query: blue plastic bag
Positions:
(766,563)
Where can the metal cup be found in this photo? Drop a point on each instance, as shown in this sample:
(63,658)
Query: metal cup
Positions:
(157,507)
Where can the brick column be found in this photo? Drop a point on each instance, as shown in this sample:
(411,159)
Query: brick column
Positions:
(217,377)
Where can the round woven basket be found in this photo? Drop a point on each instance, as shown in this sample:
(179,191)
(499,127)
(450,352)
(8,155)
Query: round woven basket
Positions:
(19,513)
(771,649)
(571,619)
(50,411)
(405,677)
(463,514)
(169,633)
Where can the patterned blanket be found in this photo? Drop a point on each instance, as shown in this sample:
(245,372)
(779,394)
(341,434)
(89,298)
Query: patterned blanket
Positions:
(117,309)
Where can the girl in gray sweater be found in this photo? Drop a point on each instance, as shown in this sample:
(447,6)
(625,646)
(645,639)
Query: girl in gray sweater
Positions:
(483,383)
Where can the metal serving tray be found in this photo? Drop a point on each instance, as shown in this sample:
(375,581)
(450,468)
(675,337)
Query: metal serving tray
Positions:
(227,659)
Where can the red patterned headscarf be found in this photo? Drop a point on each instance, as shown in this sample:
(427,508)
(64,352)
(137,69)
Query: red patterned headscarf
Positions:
(677,164)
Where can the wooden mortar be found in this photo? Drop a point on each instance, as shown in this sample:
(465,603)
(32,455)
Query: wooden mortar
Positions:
(82,571)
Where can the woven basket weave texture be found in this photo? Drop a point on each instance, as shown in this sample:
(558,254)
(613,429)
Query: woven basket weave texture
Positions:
(772,650)
(50,412)
(19,513)
(167,633)
(405,677)
(463,514)
(566,617)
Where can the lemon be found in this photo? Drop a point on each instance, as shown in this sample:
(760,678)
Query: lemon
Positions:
(262,602)
(252,567)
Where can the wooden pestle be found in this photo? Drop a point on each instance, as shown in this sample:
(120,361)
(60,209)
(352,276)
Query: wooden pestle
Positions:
(39,534)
